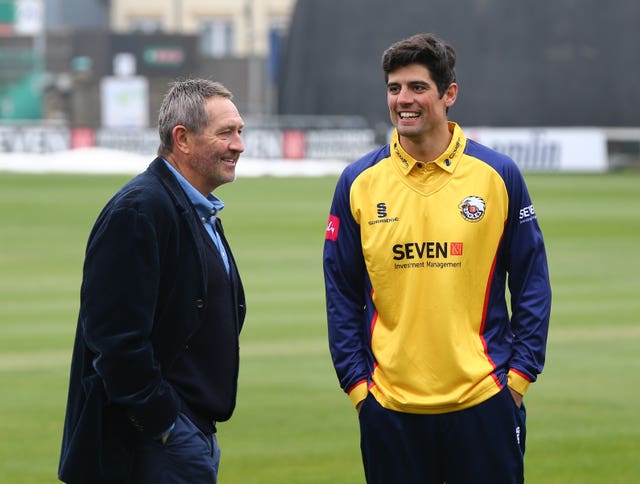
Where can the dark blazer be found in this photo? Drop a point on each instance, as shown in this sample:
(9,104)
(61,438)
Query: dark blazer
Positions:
(143,295)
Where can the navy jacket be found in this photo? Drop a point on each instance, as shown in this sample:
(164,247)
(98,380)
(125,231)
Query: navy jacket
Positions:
(146,290)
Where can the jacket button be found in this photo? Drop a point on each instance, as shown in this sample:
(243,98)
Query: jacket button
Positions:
(199,303)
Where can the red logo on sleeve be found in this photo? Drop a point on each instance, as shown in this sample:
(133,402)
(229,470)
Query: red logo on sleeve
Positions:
(332,228)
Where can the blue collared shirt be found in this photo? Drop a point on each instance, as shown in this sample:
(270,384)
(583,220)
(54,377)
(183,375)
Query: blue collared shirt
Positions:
(207,209)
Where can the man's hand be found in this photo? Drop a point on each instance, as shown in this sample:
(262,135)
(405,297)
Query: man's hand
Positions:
(165,436)
(516,397)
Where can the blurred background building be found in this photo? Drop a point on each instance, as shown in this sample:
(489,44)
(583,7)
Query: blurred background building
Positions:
(305,72)
(56,53)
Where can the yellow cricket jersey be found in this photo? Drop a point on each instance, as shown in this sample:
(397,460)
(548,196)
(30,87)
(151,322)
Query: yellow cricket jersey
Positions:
(417,258)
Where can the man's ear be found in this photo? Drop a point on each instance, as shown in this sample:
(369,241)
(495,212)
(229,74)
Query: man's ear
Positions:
(181,139)
(451,94)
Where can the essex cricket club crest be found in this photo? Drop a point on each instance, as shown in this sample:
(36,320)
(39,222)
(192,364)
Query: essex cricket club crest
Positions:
(472,208)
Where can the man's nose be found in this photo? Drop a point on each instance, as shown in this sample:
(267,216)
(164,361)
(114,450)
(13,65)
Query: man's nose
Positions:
(236,143)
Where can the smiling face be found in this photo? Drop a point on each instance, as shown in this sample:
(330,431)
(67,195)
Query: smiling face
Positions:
(214,152)
(416,107)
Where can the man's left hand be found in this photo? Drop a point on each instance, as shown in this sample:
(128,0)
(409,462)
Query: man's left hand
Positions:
(516,397)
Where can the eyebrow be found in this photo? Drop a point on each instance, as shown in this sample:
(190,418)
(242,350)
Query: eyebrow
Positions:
(410,83)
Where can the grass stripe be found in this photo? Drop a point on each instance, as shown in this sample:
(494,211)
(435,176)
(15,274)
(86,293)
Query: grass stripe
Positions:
(33,360)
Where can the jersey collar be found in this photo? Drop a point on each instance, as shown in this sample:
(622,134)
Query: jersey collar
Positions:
(446,161)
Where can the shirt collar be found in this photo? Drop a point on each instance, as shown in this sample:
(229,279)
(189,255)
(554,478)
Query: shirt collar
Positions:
(205,206)
(448,160)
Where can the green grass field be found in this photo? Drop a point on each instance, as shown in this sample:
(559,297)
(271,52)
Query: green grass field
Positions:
(292,423)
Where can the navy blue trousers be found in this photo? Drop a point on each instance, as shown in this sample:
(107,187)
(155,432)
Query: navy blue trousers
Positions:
(188,457)
(482,444)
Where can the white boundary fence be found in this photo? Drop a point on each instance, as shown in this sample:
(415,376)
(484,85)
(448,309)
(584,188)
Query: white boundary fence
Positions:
(306,152)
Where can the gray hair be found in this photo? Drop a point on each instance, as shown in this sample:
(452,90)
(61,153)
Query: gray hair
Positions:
(184,104)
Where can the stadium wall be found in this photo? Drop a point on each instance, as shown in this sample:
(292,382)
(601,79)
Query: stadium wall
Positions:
(557,64)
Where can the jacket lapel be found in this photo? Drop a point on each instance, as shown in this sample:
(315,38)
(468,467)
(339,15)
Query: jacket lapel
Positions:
(184,208)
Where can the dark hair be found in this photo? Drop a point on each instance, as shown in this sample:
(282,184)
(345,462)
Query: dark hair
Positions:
(426,49)
(184,104)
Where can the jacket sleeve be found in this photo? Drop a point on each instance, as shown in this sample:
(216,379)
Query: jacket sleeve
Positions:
(345,285)
(119,296)
(529,286)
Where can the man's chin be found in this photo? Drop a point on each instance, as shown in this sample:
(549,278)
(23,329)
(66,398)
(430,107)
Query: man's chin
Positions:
(230,176)
(409,131)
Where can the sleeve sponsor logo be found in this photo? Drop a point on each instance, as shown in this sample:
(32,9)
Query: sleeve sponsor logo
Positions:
(332,228)
(527,214)
(472,208)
